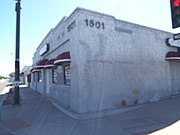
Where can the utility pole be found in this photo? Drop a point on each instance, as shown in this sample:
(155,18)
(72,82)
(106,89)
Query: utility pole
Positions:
(17,61)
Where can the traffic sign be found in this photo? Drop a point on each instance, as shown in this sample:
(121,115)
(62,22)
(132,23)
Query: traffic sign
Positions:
(175,13)
(176,36)
(172,42)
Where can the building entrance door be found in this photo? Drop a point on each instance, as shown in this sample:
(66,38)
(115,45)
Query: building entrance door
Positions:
(175,77)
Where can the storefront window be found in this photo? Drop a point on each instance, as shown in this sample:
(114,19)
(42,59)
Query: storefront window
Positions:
(54,75)
(67,77)
(39,76)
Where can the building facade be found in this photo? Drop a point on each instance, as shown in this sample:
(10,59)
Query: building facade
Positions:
(92,62)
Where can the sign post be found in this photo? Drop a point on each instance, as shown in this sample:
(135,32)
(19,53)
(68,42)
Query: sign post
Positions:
(16,92)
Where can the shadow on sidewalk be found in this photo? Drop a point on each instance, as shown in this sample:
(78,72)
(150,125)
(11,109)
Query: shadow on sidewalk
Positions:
(9,98)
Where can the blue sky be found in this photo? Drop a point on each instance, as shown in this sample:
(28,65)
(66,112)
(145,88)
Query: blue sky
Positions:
(38,17)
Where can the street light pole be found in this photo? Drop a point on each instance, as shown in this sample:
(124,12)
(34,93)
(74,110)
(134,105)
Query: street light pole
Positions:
(17,61)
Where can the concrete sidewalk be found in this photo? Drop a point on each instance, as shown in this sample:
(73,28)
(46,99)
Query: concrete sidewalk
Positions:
(4,130)
(37,116)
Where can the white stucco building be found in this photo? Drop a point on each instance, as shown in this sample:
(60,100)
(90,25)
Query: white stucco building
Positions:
(92,62)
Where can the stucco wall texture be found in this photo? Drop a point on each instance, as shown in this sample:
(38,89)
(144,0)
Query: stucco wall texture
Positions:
(114,64)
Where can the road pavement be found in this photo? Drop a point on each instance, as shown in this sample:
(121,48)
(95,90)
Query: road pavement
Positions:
(37,116)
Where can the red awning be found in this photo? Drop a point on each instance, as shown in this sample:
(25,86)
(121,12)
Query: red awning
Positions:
(31,69)
(36,70)
(49,63)
(172,56)
(22,73)
(62,58)
(41,64)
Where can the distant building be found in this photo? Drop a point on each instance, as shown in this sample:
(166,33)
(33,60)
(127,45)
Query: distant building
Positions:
(92,64)
(24,75)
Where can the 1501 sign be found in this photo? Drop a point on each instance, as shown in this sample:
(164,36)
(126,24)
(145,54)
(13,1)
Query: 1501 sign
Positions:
(71,26)
(94,24)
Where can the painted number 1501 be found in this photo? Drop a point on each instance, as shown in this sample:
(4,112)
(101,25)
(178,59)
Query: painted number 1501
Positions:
(94,24)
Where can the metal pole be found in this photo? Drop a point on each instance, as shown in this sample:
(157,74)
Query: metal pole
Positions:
(16,92)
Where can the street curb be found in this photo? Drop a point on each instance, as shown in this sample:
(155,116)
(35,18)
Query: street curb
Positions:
(92,115)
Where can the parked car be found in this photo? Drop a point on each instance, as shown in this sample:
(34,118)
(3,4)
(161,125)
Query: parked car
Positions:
(10,84)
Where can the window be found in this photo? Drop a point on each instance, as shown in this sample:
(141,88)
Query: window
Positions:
(54,75)
(39,76)
(67,77)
